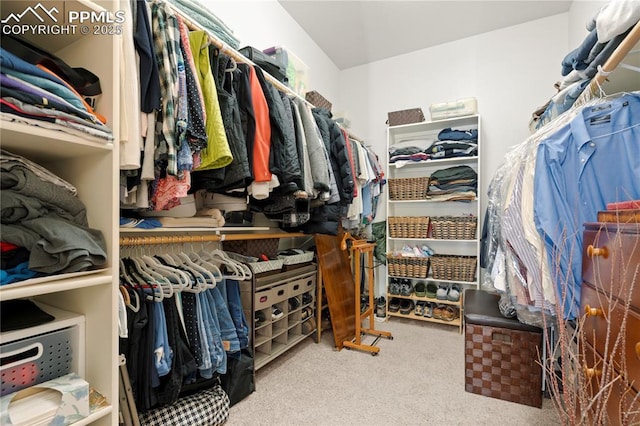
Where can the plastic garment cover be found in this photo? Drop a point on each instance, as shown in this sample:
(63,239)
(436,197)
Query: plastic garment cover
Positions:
(514,253)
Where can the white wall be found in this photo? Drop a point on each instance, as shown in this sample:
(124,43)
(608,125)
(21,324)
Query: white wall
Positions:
(509,71)
(580,13)
(263,24)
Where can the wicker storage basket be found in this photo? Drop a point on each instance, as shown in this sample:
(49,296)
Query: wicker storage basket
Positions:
(317,100)
(406,116)
(414,267)
(453,268)
(408,227)
(454,227)
(256,266)
(408,188)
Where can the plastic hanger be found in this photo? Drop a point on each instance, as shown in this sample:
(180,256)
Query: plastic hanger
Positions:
(209,278)
(151,290)
(178,278)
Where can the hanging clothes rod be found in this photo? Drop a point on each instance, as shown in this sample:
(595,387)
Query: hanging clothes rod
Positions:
(617,56)
(182,239)
(167,239)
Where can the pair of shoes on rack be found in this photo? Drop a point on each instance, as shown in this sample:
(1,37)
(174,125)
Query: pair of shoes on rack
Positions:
(276,313)
(394,285)
(307,298)
(294,303)
(431,290)
(406,306)
(424,309)
(259,318)
(449,292)
(394,304)
(420,289)
(309,326)
(406,287)
(307,312)
(446,312)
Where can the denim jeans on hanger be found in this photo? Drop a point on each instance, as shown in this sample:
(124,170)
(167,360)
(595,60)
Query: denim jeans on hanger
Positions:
(227,327)
(236,311)
(214,355)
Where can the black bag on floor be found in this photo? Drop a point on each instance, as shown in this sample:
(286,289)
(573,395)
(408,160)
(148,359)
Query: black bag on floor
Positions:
(238,382)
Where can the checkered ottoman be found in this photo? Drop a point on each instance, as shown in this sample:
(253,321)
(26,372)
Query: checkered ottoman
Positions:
(501,355)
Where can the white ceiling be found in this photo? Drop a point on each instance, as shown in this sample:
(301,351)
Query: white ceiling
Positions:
(353,33)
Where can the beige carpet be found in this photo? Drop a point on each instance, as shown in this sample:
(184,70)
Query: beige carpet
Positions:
(417,379)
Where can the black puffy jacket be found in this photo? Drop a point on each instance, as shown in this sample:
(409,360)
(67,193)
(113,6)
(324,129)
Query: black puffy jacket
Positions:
(338,155)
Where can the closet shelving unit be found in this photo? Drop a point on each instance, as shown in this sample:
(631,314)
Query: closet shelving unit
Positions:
(424,134)
(91,165)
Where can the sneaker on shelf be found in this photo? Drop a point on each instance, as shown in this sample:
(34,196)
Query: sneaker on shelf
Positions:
(406,287)
(276,313)
(307,312)
(406,306)
(394,286)
(394,304)
(307,298)
(443,290)
(294,303)
(259,318)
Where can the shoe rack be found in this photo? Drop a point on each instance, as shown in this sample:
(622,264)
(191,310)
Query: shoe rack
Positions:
(281,309)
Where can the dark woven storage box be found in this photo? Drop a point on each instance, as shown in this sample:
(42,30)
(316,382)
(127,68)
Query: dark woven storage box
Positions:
(317,100)
(253,248)
(503,363)
(454,227)
(408,188)
(406,116)
(414,267)
(454,268)
(501,354)
(408,227)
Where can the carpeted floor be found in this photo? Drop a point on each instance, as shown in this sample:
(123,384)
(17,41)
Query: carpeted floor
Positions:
(417,379)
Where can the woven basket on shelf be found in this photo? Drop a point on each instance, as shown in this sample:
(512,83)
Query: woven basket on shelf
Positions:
(453,268)
(414,267)
(408,188)
(408,227)
(454,227)
(317,100)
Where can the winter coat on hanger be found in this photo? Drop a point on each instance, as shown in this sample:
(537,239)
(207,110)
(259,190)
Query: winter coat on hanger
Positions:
(284,161)
(338,154)
(315,148)
(236,175)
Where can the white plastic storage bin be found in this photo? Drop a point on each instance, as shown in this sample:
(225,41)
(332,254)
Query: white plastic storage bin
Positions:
(38,354)
(297,71)
(461,107)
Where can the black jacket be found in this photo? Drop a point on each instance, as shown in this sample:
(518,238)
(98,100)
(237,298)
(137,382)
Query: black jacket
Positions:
(338,155)
(283,161)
